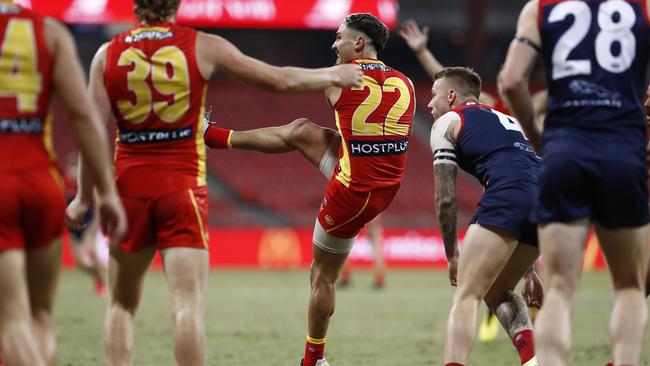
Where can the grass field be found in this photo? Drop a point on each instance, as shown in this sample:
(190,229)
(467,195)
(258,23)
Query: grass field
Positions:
(258,318)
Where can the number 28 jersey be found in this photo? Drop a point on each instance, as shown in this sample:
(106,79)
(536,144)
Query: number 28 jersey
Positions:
(375,123)
(595,53)
(157,96)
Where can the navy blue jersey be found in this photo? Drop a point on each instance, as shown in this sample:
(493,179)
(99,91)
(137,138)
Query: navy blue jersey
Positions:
(492,147)
(595,53)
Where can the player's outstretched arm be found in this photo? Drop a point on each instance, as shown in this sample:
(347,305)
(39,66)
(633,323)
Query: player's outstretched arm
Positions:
(444,173)
(87,131)
(513,79)
(416,38)
(217,54)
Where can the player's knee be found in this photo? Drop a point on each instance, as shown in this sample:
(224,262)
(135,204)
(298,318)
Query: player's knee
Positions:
(124,303)
(298,130)
(188,317)
(566,285)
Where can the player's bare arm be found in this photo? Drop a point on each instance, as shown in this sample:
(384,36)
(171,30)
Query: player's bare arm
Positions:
(444,171)
(217,54)
(513,79)
(416,38)
(87,131)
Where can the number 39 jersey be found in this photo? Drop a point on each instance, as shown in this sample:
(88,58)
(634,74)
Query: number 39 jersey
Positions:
(375,123)
(25,80)
(157,96)
(595,53)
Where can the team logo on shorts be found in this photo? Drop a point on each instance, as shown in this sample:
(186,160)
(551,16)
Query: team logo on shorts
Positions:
(329,220)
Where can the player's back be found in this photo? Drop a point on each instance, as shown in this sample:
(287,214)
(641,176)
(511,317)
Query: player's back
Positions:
(157,96)
(595,54)
(375,123)
(492,147)
(26,68)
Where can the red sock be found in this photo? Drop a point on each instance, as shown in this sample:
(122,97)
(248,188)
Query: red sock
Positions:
(523,342)
(314,350)
(454,364)
(379,279)
(217,138)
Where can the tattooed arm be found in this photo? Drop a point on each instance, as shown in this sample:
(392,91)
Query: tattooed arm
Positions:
(444,171)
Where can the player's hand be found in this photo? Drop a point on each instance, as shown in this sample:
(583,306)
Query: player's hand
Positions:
(533,290)
(415,37)
(452,267)
(112,217)
(348,75)
(76,212)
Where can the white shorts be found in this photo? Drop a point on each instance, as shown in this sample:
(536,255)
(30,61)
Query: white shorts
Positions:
(329,243)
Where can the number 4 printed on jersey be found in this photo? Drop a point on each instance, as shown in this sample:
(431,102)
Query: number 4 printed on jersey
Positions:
(18,65)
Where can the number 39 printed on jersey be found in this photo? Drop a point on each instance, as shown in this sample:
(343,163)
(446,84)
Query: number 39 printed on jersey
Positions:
(611,30)
(175,84)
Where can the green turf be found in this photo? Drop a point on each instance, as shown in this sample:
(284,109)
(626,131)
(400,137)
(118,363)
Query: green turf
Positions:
(258,319)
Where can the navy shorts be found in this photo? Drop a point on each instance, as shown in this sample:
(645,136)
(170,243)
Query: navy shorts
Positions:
(611,193)
(79,233)
(508,208)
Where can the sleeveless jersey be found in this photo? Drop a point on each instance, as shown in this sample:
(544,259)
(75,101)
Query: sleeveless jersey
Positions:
(595,53)
(25,90)
(157,95)
(375,123)
(492,147)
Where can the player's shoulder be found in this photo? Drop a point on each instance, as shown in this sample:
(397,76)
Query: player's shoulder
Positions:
(449,117)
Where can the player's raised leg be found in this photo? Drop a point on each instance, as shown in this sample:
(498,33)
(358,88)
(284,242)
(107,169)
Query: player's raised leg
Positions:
(186,271)
(303,135)
(509,308)
(126,273)
(561,247)
(17,339)
(42,279)
(485,252)
(625,251)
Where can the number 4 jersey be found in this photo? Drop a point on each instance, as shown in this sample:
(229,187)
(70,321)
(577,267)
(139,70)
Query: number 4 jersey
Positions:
(595,55)
(157,96)
(375,123)
(26,67)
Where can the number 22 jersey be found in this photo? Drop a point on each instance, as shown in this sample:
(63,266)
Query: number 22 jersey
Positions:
(157,96)
(375,123)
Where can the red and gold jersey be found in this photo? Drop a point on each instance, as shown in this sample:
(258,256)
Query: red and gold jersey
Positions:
(25,71)
(157,95)
(375,123)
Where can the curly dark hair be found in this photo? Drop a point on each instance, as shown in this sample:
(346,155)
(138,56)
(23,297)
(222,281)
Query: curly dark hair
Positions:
(467,81)
(155,11)
(370,26)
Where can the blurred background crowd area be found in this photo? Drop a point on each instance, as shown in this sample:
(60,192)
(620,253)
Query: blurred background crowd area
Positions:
(249,189)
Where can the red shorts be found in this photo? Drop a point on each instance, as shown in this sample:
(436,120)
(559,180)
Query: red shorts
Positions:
(172,220)
(32,208)
(344,212)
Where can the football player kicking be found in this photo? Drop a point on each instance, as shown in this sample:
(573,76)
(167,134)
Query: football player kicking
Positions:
(153,80)
(365,159)
(500,245)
